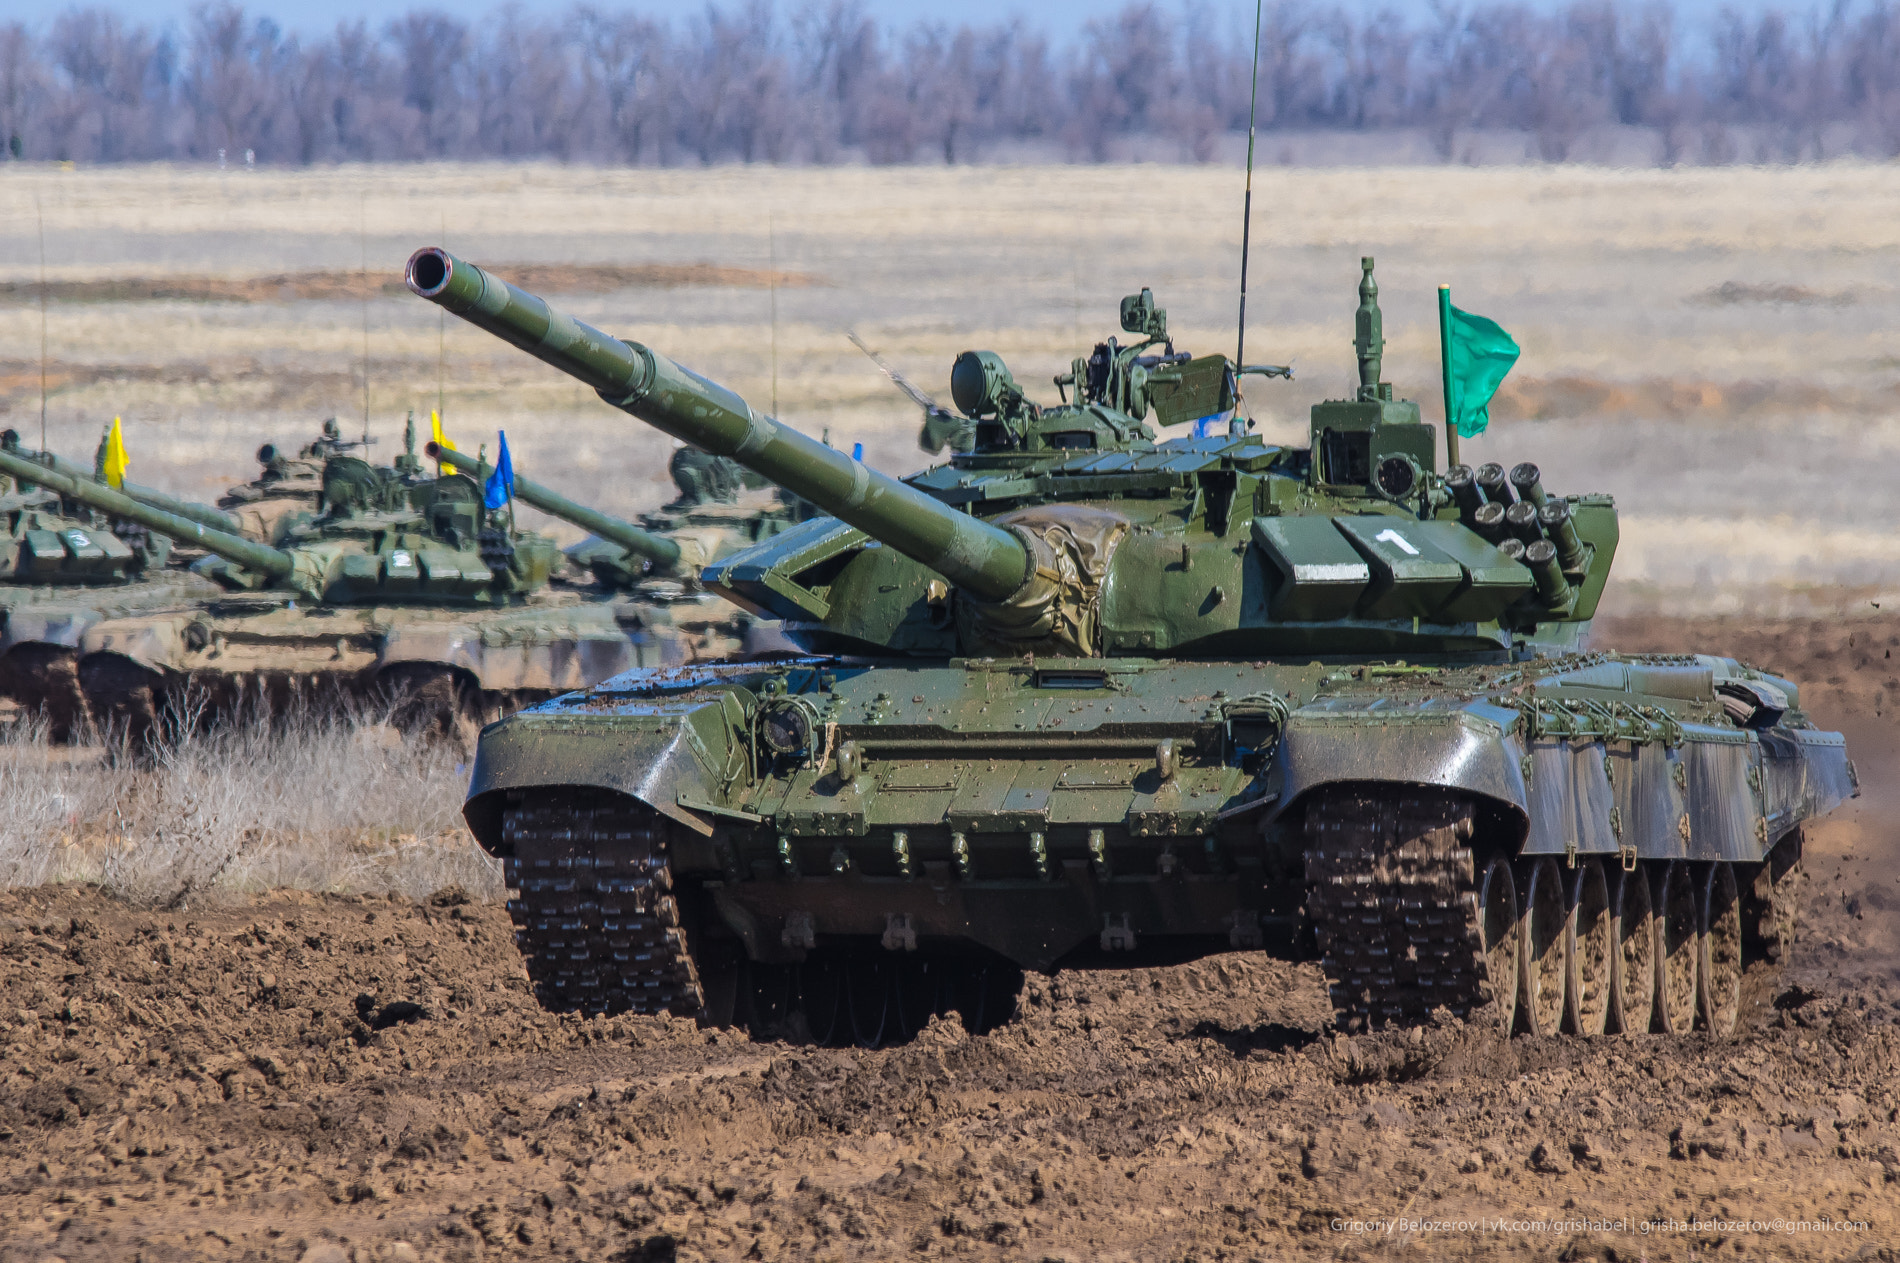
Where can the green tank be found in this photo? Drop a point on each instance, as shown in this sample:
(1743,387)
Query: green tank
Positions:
(65,569)
(288,489)
(649,573)
(1088,696)
(402,585)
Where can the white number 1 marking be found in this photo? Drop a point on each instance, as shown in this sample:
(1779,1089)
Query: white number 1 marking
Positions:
(1390,536)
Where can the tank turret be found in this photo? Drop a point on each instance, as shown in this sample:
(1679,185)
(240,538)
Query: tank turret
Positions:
(47,538)
(1074,529)
(1094,694)
(289,486)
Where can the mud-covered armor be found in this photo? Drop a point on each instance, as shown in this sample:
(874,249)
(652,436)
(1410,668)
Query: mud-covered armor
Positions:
(1089,695)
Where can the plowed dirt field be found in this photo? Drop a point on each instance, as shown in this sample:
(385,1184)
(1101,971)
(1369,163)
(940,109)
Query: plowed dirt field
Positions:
(332,1078)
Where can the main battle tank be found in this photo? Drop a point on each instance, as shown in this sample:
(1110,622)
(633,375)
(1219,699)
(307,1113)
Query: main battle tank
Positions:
(288,489)
(63,570)
(1083,696)
(403,585)
(650,573)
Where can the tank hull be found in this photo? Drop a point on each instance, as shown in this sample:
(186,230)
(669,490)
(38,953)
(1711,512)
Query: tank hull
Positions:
(1025,812)
(458,665)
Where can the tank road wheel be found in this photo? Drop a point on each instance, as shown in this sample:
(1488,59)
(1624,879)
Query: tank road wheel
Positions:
(1718,949)
(1588,947)
(868,999)
(1633,960)
(822,1000)
(594,916)
(44,679)
(1541,948)
(919,995)
(124,696)
(1390,890)
(434,699)
(1676,948)
(1499,930)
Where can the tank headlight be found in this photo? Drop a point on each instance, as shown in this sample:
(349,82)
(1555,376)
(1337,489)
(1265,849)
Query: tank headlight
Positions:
(785,728)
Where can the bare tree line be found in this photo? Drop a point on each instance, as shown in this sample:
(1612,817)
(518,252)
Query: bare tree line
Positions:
(825,83)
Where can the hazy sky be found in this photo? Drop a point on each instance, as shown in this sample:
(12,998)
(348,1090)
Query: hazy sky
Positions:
(318,16)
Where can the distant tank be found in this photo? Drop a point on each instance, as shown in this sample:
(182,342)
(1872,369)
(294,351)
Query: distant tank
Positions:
(289,488)
(64,570)
(1085,696)
(650,573)
(401,585)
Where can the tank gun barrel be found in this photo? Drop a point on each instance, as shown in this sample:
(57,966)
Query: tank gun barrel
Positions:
(988,562)
(658,549)
(259,557)
(203,514)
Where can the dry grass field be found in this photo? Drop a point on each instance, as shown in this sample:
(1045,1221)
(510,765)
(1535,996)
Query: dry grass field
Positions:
(1709,345)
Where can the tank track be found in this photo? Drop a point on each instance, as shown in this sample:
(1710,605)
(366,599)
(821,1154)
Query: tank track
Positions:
(1392,895)
(44,680)
(595,919)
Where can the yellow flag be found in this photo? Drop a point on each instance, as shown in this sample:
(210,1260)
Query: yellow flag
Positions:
(117,462)
(435,427)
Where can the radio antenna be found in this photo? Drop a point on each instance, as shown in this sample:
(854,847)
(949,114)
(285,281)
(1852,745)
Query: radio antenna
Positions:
(40,216)
(771,282)
(362,239)
(1246,214)
(441,338)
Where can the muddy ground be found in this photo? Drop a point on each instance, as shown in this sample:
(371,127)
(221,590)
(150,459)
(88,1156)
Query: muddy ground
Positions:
(330,1078)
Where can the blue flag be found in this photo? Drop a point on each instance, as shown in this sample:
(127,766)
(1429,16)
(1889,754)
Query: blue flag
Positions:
(501,483)
(857,451)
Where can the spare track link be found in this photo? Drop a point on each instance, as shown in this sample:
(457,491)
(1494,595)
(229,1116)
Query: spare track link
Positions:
(1392,892)
(594,917)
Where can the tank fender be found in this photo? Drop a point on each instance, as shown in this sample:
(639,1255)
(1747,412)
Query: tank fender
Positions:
(679,755)
(1710,793)
(157,643)
(1473,747)
(546,652)
(52,625)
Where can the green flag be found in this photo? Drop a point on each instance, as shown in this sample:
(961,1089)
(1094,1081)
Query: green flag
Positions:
(1477,355)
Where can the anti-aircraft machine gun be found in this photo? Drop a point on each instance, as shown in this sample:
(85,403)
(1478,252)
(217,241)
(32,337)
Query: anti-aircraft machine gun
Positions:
(1084,695)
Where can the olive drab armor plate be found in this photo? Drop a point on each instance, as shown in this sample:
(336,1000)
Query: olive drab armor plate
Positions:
(1088,693)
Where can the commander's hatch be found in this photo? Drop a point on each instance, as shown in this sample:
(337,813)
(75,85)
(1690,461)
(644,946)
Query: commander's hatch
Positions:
(788,576)
(1202,387)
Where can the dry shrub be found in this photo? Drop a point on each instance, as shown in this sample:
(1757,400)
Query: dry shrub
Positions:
(314,800)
